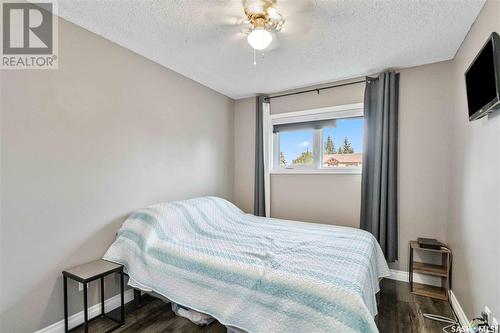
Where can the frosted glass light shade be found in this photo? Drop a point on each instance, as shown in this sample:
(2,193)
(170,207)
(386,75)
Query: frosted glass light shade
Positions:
(259,38)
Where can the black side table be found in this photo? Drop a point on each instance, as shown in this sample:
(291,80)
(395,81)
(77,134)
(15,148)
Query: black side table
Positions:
(84,274)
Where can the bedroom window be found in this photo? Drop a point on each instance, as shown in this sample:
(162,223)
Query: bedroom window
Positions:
(326,140)
(296,148)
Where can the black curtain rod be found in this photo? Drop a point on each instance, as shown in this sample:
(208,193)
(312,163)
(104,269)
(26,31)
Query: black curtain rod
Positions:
(316,90)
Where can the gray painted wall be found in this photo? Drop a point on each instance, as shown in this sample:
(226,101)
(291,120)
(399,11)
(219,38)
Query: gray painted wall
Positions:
(82,147)
(335,199)
(328,199)
(474,207)
(424,154)
(244,153)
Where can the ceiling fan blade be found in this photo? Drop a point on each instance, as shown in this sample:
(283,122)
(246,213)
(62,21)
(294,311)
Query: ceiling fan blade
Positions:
(224,13)
(299,16)
(257,6)
(301,27)
(225,20)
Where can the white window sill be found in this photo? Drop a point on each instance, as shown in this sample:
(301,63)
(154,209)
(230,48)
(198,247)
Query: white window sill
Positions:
(343,171)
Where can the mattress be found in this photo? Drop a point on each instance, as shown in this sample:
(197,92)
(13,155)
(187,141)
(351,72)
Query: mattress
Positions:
(253,273)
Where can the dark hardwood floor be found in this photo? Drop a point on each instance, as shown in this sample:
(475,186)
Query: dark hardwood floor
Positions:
(399,311)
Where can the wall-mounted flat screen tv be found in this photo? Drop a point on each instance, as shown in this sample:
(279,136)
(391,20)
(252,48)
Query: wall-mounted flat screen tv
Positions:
(482,79)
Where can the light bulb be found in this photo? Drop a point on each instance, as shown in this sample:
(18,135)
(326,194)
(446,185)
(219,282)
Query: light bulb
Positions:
(259,38)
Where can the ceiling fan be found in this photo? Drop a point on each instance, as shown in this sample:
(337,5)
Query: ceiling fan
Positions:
(262,17)
(263,20)
(263,24)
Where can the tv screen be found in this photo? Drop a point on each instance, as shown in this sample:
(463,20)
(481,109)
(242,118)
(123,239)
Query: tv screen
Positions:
(481,80)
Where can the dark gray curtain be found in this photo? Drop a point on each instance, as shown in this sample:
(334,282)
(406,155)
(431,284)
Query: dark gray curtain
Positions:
(379,198)
(259,203)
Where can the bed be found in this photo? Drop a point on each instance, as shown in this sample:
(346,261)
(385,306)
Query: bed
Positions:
(253,273)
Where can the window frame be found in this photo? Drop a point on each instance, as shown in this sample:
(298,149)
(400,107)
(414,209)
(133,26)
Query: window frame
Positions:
(333,112)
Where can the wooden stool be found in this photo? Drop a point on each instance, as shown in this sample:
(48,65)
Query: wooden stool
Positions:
(84,274)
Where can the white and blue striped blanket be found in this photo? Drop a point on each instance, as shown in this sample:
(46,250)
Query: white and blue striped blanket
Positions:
(258,274)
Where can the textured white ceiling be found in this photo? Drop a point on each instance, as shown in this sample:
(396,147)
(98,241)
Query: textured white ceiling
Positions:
(321,41)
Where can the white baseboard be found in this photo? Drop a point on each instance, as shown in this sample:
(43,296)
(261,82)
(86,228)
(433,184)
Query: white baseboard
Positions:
(459,312)
(76,319)
(419,278)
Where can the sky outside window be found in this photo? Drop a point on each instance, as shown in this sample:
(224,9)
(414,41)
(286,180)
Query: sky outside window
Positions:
(293,144)
(352,128)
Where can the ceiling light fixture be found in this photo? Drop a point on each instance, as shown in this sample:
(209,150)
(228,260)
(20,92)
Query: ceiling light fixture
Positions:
(261,23)
(259,38)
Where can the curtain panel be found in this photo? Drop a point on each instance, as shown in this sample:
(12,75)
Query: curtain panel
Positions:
(379,187)
(259,208)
